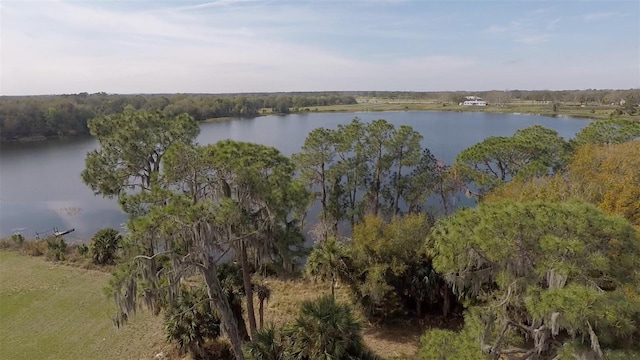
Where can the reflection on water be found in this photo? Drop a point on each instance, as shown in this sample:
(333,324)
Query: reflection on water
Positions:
(40,185)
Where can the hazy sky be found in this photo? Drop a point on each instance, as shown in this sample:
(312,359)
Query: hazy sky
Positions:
(136,46)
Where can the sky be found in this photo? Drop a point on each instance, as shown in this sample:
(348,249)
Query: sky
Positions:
(233,46)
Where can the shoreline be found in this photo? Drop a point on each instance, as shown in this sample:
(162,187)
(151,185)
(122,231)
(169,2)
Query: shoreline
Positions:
(570,111)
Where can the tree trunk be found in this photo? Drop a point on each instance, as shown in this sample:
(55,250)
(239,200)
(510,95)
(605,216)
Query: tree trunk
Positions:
(261,312)
(445,202)
(236,308)
(446,305)
(333,287)
(352,202)
(338,210)
(227,320)
(396,206)
(323,201)
(248,289)
(378,182)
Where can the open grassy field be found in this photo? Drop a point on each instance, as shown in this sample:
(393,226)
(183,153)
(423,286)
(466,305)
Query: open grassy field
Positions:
(597,112)
(51,311)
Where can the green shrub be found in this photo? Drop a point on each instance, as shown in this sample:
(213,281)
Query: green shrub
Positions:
(14,241)
(104,246)
(17,238)
(83,249)
(441,344)
(7,243)
(57,248)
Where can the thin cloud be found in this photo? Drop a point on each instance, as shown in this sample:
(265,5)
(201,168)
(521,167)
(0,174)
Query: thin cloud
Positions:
(533,39)
(511,62)
(495,29)
(213,4)
(598,16)
(541,11)
(553,23)
(523,32)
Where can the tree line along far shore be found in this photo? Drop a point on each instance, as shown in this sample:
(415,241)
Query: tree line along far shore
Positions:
(39,117)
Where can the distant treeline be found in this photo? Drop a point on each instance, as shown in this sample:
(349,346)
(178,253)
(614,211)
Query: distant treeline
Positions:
(53,115)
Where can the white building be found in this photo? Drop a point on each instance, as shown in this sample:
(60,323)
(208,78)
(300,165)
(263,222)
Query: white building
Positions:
(473,101)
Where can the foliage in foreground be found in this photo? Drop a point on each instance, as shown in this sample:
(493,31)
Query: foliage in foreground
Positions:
(538,275)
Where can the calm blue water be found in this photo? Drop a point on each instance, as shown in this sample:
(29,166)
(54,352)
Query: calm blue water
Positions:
(40,186)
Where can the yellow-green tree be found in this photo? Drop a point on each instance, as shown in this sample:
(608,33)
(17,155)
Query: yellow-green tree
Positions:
(605,175)
(389,273)
(609,176)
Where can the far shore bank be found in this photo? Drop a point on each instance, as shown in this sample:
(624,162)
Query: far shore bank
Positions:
(592,112)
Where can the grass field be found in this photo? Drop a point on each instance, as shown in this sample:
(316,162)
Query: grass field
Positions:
(598,112)
(51,311)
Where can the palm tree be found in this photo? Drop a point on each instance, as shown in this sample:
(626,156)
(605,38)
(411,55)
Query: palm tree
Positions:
(327,261)
(104,246)
(190,321)
(263,294)
(328,330)
(425,286)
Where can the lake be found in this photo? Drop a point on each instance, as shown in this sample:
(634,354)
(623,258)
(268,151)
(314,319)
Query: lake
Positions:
(40,185)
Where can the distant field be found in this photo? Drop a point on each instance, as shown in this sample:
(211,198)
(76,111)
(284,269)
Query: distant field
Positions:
(525,107)
(50,311)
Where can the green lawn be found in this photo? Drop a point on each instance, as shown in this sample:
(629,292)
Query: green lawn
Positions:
(50,311)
